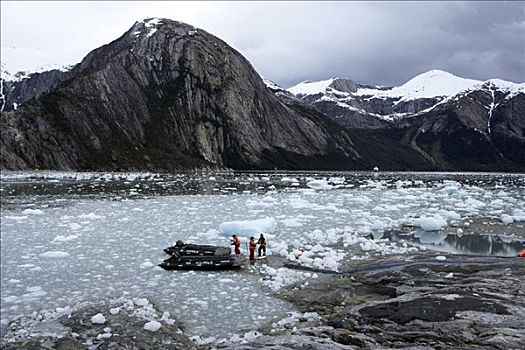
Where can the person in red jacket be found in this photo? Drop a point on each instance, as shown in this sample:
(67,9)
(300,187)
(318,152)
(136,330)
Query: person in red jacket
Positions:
(252,249)
(237,243)
(522,254)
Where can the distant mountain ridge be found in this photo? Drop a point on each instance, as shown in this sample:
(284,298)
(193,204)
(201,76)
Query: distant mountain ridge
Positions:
(420,94)
(451,121)
(167,95)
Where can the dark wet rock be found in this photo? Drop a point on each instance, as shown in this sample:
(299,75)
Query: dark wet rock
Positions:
(292,342)
(459,303)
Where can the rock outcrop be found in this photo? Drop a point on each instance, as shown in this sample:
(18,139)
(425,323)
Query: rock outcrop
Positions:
(166,95)
(421,303)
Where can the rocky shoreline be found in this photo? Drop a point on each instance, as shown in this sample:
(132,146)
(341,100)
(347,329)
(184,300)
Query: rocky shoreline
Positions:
(416,302)
(455,302)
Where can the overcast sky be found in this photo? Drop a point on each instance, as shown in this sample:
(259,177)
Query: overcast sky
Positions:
(382,43)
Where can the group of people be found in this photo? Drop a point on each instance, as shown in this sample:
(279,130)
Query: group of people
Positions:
(252,245)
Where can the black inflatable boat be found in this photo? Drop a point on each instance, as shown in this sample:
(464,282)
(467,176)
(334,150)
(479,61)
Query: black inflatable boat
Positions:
(182,249)
(189,262)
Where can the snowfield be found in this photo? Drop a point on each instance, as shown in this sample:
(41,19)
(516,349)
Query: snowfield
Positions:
(72,238)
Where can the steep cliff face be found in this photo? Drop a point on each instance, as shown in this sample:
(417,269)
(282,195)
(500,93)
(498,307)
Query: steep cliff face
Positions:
(166,95)
(17,91)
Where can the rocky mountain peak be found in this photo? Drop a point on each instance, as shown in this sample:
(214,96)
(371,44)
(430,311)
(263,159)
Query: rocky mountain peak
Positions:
(168,95)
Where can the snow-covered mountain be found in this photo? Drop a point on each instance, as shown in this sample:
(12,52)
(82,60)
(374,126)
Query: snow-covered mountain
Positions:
(343,98)
(451,122)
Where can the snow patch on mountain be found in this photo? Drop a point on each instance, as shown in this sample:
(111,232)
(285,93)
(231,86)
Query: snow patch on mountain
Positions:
(21,75)
(434,83)
(311,87)
(271,85)
(438,85)
(151,24)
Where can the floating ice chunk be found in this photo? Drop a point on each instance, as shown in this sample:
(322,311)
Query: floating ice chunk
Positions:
(278,248)
(166,318)
(450,275)
(11,299)
(98,319)
(91,216)
(17,218)
(146,264)
(75,226)
(114,310)
(34,293)
(152,326)
(519,215)
(249,227)
(33,211)
(225,280)
(507,219)
(61,238)
(377,225)
(104,335)
(288,179)
(141,301)
(441,258)
(299,203)
(451,215)
(291,223)
(337,180)
(54,254)
(251,335)
(319,185)
(433,223)
(452,190)
(431,237)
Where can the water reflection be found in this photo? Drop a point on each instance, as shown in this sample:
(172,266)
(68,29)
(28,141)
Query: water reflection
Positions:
(493,245)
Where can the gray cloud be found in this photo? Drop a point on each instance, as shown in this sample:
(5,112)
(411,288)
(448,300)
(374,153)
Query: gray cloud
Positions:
(382,43)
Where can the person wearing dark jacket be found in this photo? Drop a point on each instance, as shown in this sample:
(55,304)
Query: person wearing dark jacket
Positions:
(262,246)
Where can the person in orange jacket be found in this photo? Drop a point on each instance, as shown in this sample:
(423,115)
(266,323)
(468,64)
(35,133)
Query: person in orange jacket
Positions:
(251,247)
(236,241)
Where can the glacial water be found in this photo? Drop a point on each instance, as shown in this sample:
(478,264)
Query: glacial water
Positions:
(72,238)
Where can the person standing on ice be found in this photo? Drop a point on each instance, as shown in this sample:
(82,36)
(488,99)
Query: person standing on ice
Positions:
(237,243)
(251,248)
(262,245)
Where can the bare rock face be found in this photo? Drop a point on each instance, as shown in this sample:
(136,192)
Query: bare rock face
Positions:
(463,135)
(462,303)
(166,95)
(18,91)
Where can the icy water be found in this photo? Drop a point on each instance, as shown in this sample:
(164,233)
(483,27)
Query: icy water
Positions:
(71,238)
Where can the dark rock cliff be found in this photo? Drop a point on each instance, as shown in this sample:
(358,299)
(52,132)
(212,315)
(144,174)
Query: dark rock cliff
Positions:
(166,95)
(16,92)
